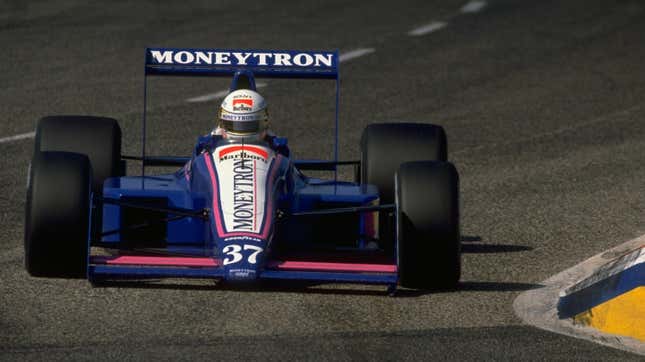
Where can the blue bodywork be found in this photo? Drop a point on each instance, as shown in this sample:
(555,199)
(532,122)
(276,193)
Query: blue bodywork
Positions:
(170,225)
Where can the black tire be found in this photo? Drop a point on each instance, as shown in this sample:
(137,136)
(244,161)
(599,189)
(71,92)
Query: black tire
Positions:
(97,137)
(385,146)
(429,249)
(57,214)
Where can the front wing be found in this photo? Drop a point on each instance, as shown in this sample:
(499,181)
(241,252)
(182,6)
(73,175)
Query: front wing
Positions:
(142,267)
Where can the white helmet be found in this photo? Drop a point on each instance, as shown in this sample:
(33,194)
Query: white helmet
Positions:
(244,111)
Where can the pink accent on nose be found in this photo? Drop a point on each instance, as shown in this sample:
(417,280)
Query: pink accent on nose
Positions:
(154,260)
(324,266)
(217,217)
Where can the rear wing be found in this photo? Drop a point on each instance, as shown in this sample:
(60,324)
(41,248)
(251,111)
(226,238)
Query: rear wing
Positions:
(233,62)
(225,62)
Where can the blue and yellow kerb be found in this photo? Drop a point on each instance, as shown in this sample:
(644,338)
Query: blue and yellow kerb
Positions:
(612,299)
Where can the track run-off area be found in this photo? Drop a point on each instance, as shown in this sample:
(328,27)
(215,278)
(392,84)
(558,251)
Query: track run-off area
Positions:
(543,103)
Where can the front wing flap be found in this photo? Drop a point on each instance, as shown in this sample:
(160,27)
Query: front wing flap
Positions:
(143,267)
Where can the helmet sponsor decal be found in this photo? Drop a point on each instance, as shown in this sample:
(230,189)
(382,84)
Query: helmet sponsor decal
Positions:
(242,117)
(243,104)
(247,152)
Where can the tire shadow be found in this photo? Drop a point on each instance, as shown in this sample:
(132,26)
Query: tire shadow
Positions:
(474,245)
(301,287)
(265,286)
(497,286)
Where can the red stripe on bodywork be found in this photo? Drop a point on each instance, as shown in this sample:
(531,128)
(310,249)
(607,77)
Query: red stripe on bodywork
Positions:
(253,149)
(324,266)
(154,260)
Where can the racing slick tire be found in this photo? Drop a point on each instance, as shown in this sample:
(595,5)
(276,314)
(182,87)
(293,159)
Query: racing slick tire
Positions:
(427,225)
(384,147)
(57,214)
(97,137)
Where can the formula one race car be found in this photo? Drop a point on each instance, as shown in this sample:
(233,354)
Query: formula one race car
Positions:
(238,210)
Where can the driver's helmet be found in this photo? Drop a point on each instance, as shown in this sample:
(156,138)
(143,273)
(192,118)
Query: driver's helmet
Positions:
(243,112)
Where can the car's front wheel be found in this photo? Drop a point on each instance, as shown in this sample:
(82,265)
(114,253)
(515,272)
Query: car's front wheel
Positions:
(57,214)
(427,225)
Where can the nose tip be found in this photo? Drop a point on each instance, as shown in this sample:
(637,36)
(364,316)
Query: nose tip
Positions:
(241,275)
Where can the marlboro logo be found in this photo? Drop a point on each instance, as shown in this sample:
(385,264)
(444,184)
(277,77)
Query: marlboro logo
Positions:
(245,104)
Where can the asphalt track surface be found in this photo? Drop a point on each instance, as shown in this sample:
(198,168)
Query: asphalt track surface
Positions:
(543,102)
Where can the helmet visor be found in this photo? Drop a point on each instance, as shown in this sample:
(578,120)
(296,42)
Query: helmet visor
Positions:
(241,126)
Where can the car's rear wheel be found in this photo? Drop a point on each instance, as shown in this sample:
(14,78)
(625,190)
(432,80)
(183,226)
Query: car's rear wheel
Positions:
(97,137)
(57,214)
(427,222)
(384,147)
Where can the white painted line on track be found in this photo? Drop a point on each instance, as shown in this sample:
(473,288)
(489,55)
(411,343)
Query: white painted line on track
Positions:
(473,6)
(356,53)
(218,95)
(208,97)
(17,137)
(427,29)
(538,307)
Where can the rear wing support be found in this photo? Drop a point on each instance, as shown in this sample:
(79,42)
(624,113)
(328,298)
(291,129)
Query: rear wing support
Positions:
(243,65)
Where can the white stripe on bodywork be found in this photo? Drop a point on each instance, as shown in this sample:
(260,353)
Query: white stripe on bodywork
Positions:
(242,192)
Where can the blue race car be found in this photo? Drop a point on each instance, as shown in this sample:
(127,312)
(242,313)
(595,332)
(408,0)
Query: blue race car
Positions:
(240,209)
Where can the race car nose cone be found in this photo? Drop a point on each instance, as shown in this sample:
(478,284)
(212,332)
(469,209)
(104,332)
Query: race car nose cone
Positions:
(242,258)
